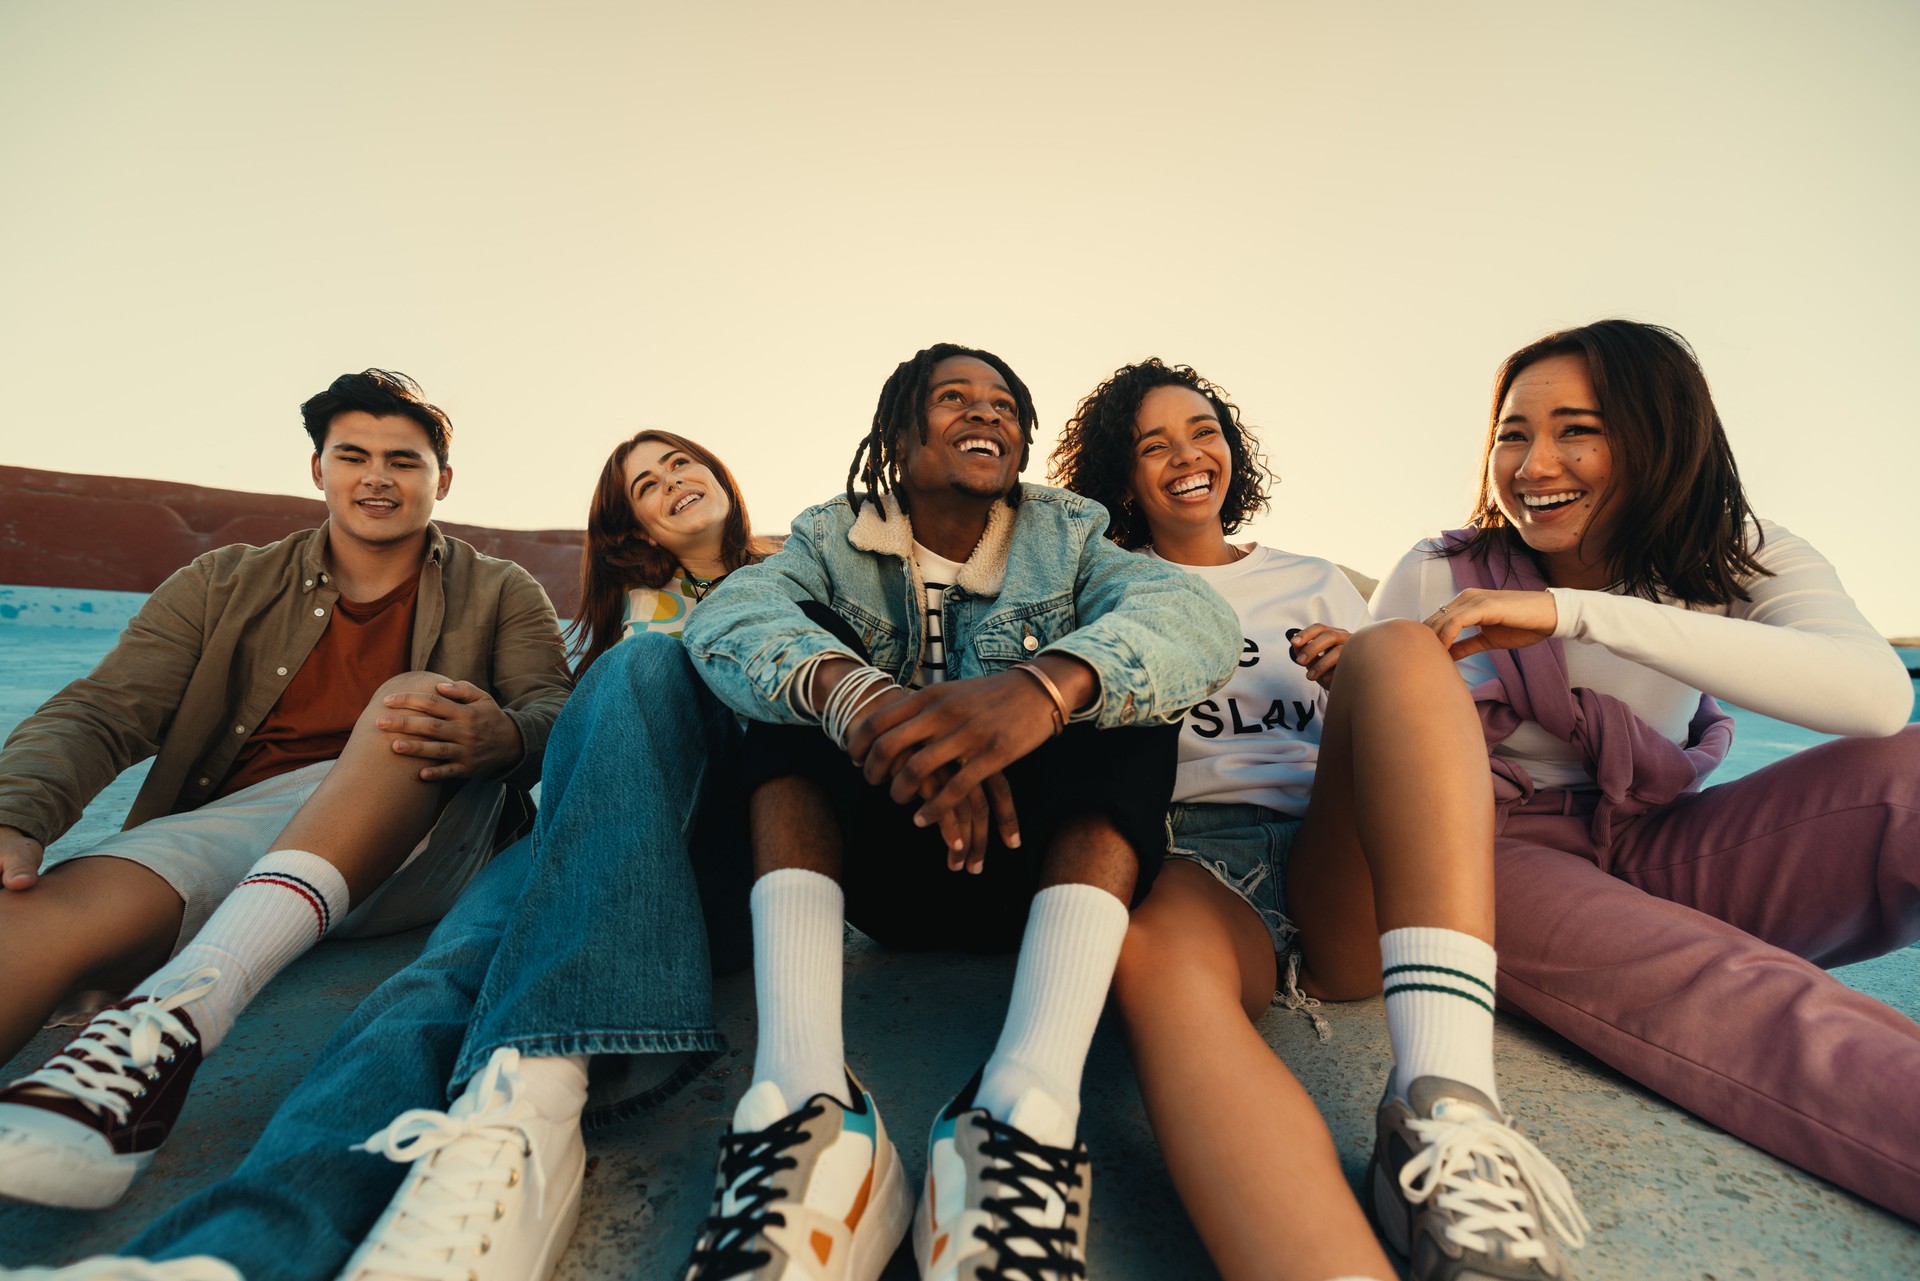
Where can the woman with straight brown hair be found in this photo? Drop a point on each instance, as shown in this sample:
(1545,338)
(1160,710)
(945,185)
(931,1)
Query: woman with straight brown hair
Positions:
(1611,585)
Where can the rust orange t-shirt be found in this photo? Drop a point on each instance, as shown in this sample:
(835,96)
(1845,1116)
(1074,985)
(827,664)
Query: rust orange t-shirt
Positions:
(365,645)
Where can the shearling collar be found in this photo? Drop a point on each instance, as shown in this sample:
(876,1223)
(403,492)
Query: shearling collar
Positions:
(882,528)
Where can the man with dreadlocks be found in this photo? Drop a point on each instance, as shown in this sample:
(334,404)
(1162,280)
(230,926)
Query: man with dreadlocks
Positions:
(997,682)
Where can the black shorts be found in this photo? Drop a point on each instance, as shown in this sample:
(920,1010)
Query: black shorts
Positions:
(898,888)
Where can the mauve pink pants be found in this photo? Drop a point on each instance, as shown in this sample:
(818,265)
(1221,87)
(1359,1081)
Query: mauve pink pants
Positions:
(1689,957)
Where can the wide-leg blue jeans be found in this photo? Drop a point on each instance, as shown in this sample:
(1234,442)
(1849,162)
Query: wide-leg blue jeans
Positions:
(590,937)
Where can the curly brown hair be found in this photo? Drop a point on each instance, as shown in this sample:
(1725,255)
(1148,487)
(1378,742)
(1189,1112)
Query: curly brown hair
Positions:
(1095,455)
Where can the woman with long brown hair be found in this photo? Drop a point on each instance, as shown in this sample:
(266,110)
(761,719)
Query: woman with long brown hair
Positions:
(1611,585)
(658,539)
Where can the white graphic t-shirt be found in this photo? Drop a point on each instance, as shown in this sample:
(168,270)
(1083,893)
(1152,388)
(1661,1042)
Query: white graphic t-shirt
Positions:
(1257,740)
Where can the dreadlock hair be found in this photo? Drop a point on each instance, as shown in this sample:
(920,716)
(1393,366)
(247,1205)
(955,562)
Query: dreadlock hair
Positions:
(1682,524)
(1095,455)
(619,555)
(903,405)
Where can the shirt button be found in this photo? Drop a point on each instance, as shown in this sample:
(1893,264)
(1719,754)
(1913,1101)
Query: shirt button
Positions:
(239,729)
(206,782)
(319,613)
(309,582)
(279,671)
(1030,644)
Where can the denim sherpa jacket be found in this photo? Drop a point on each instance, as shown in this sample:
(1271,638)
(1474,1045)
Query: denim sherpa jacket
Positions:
(1043,577)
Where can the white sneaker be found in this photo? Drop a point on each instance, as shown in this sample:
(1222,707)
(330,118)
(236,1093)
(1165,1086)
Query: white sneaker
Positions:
(1462,1194)
(494,1192)
(816,1194)
(107,1267)
(1003,1200)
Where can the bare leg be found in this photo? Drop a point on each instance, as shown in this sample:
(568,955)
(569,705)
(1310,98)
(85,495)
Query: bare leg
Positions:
(793,826)
(1400,829)
(1089,850)
(371,809)
(94,922)
(1248,1151)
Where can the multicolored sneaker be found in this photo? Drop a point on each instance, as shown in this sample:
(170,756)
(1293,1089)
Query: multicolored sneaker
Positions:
(815,1194)
(494,1192)
(1462,1194)
(78,1132)
(1003,1200)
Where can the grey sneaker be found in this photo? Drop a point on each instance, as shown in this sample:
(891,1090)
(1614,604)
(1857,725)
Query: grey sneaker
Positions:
(1462,1194)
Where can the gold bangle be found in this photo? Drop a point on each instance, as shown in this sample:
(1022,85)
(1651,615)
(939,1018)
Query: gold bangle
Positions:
(1053,692)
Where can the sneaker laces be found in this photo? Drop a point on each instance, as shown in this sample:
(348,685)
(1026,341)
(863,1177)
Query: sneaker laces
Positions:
(445,1211)
(1482,1172)
(108,1066)
(748,1162)
(1032,1239)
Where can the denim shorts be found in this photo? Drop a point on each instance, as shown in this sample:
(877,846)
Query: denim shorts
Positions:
(1246,847)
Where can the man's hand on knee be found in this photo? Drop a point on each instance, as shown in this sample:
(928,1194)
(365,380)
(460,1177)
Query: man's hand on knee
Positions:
(459,727)
(20,857)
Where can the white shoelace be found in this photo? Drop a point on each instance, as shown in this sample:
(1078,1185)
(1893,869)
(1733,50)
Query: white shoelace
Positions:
(1490,1195)
(108,1065)
(453,1197)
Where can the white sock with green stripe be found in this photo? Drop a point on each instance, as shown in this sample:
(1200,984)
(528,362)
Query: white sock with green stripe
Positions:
(1439,998)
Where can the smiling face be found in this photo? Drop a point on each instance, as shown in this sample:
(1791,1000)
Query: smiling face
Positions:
(1551,470)
(379,477)
(1181,462)
(973,435)
(676,499)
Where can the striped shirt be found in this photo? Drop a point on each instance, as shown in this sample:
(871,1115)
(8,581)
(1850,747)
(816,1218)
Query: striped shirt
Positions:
(937,574)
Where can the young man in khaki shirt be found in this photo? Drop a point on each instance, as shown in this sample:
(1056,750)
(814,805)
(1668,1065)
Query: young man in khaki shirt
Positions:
(354,703)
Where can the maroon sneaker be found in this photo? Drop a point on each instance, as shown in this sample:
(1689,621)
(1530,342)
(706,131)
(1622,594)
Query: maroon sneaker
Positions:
(81,1129)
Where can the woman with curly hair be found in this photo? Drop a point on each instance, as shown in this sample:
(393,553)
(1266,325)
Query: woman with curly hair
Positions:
(1293,806)
(1609,587)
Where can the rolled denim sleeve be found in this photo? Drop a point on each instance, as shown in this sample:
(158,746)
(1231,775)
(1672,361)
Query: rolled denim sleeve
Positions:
(1160,639)
(749,639)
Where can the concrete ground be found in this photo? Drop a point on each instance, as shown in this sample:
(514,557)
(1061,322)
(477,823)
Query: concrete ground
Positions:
(1668,1196)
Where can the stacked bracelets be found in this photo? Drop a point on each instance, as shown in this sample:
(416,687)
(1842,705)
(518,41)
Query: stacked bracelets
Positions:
(1053,692)
(855,690)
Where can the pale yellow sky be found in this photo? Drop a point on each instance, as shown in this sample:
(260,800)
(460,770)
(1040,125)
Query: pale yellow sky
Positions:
(573,220)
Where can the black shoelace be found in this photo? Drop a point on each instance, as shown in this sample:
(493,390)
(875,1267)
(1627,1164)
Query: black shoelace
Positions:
(1028,1169)
(748,1163)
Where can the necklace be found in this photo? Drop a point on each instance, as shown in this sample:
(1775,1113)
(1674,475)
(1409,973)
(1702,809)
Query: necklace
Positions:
(698,586)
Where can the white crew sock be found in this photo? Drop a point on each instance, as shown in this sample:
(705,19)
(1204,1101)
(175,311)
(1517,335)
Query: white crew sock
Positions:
(798,944)
(1439,998)
(285,905)
(556,1085)
(1066,964)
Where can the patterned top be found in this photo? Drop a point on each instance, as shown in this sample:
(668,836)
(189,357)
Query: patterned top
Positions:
(658,609)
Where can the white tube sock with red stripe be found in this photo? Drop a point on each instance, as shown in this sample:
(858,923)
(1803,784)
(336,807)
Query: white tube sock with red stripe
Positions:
(285,905)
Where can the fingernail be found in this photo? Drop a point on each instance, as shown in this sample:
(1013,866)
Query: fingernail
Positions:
(919,820)
(1013,842)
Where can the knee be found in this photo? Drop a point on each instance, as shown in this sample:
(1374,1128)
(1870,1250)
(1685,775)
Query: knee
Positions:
(425,683)
(1392,640)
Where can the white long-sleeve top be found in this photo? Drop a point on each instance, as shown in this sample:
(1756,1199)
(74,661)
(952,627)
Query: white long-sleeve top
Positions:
(1798,650)
(1257,740)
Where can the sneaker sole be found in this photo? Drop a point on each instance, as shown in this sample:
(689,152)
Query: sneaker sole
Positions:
(43,1174)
